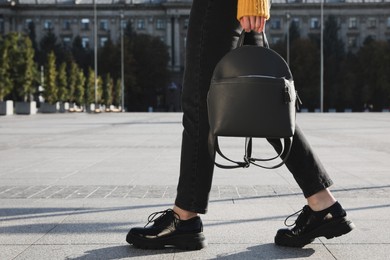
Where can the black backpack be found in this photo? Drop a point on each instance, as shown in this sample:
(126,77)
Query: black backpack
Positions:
(252,95)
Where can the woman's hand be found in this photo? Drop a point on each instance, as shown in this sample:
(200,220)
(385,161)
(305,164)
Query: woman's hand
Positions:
(253,23)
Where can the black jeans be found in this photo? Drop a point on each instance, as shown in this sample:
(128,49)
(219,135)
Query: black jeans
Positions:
(211,34)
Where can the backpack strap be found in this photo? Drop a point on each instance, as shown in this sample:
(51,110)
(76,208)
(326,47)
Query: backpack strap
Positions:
(244,164)
(285,152)
(248,160)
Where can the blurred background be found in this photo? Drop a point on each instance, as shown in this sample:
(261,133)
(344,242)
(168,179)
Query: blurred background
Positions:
(128,55)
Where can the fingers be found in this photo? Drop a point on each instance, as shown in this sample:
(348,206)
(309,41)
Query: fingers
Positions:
(245,23)
(252,23)
(252,20)
(260,24)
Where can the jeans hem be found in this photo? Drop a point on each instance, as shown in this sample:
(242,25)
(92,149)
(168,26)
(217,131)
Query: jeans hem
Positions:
(313,191)
(189,208)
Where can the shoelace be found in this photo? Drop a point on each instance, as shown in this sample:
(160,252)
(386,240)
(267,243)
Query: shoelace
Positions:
(298,219)
(156,216)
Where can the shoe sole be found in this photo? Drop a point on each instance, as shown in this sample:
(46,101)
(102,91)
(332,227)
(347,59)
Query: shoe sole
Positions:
(184,241)
(329,230)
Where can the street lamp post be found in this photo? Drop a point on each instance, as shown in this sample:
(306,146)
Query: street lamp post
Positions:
(322,59)
(95,47)
(288,37)
(122,65)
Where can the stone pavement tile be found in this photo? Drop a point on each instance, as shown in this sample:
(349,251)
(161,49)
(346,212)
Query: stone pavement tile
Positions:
(23,224)
(370,217)
(87,232)
(363,251)
(11,251)
(252,208)
(243,231)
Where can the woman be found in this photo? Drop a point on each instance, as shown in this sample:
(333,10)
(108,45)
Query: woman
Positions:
(212,30)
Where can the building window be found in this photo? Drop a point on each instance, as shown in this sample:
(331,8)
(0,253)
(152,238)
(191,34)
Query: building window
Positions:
(27,23)
(48,24)
(1,25)
(85,42)
(67,42)
(352,23)
(296,22)
(103,41)
(371,22)
(66,25)
(103,25)
(352,42)
(85,24)
(140,24)
(388,22)
(186,21)
(276,24)
(314,23)
(124,24)
(160,24)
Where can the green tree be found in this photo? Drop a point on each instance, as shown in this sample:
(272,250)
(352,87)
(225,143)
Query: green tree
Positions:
(90,88)
(5,82)
(108,90)
(50,93)
(152,76)
(22,69)
(373,68)
(110,54)
(82,56)
(49,43)
(62,83)
(333,57)
(99,94)
(72,81)
(305,67)
(30,70)
(89,93)
(349,92)
(80,88)
(117,96)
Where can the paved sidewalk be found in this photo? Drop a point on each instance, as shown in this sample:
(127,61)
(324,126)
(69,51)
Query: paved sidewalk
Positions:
(71,186)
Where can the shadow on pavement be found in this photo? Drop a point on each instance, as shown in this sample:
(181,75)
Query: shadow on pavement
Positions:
(266,251)
(270,251)
(119,252)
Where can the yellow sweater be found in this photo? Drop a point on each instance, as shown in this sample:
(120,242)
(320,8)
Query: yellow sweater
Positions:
(253,8)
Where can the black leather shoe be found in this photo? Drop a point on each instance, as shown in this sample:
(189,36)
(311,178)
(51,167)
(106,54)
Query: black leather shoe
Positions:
(168,231)
(329,223)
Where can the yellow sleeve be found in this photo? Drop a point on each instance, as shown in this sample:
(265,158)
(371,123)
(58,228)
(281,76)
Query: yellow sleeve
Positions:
(253,8)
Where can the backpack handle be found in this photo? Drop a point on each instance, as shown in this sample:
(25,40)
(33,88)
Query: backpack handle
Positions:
(242,38)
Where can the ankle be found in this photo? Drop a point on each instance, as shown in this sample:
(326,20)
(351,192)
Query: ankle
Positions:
(184,214)
(321,200)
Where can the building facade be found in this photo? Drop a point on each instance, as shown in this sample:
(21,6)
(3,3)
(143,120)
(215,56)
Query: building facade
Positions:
(168,20)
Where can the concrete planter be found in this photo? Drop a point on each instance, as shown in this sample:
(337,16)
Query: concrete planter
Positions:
(6,108)
(48,108)
(26,108)
(91,108)
(64,107)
